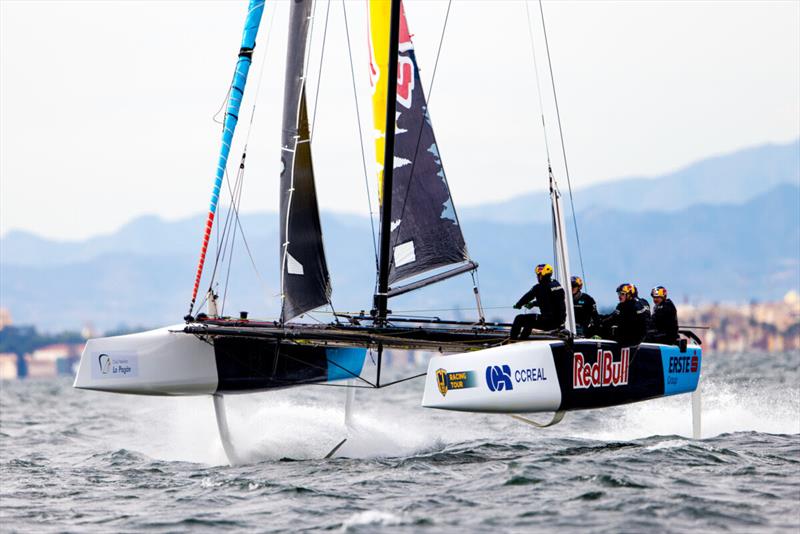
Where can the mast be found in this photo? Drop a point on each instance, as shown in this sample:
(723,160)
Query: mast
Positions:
(254,12)
(382,296)
(562,254)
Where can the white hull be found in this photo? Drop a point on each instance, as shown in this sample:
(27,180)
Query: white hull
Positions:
(534,384)
(165,361)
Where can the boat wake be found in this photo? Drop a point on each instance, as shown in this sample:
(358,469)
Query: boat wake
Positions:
(727,407)
(307,425)
(267,427)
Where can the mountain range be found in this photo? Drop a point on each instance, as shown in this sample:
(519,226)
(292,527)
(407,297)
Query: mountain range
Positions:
(726,228)
(727,179)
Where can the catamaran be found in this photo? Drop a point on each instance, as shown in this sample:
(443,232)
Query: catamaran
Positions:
(477,368)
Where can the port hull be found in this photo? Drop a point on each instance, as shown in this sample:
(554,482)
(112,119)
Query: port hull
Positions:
(170,361)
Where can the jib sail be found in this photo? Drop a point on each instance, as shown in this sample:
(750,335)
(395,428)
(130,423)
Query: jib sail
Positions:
(425,233)
(305,282)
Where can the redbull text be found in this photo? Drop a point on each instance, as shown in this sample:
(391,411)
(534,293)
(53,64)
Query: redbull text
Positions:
(604,372)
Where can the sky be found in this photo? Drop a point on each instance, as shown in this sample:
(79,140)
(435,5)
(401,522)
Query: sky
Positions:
(107,108)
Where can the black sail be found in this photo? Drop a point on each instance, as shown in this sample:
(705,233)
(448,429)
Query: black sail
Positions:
(425,233)
(425,230)
(305,282)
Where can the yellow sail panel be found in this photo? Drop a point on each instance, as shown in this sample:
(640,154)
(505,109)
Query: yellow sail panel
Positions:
(379,18)
(425,234)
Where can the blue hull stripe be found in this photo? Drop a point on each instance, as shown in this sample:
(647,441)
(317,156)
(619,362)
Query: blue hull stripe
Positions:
(344,363)
(681,369)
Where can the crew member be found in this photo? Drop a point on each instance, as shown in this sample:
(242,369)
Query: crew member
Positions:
(548,295)
(587,319)
(627,325)
(644,303)
(664,326)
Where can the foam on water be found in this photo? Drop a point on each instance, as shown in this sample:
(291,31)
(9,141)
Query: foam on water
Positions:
(306,423)
(371,517)
(726,408)
(123,463)
(267,427)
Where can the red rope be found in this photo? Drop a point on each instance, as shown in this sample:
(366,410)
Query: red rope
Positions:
(206,238)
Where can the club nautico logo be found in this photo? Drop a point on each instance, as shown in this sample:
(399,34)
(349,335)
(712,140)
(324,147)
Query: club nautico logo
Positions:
(105,363)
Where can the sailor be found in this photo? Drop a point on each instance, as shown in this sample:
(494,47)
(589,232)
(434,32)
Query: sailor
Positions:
(548,295)
(587,319)
(644,303)
(627,325)
(664,325)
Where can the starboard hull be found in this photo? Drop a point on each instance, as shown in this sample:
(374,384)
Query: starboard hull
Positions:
(168,361)
(549,376)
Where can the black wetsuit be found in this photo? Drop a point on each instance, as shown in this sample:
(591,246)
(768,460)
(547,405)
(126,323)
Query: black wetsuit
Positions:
(664,325)
(646,306)
(627,325)
(548,295)
(587,319)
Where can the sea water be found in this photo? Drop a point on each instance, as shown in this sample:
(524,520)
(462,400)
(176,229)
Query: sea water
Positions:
(88,461)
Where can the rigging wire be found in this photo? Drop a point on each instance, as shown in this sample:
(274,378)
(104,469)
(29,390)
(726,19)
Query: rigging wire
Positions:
(563,147)
(538,85)
(261,73)
(309,42)
(223,253)
(421,129)
(361,140)
(316,107)
(419,141)
(221,250)
(319,74)
(544,129)
(224,105)
(236,197)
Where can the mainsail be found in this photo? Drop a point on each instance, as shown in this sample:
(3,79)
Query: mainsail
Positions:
(254,12)
(305,282)
(425,233)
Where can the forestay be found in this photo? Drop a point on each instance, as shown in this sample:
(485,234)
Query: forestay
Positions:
(305,282)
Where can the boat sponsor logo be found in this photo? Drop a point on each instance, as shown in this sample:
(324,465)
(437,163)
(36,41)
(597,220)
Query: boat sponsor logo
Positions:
(116,366)
(604,372)
(683,364)
(534,374)
(405,81)
(498,378)
(105,363)
(457,380)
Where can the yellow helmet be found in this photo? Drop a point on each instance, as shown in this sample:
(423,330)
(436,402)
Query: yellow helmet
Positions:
(577,281)
(626,289)
(544,269)
(659,291)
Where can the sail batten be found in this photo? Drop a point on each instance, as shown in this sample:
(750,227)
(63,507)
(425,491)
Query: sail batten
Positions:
(425,233)
(305,281)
